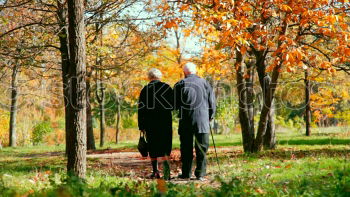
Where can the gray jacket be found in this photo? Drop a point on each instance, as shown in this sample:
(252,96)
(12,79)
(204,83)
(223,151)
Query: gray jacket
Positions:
(195,100)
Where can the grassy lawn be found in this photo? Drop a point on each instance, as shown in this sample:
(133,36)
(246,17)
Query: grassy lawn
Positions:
(301,166)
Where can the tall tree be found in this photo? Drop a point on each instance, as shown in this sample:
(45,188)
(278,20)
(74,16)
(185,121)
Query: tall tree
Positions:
(13,108)
(61,14)
(282,32)
(76,151)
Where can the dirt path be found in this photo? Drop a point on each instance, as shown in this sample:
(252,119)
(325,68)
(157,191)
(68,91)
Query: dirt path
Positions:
(131,164)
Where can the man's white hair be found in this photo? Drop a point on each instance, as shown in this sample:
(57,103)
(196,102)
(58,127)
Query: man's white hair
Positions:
(154,74)
(190,68)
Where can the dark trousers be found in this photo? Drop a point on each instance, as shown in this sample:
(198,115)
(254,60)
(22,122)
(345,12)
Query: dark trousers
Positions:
(201,141)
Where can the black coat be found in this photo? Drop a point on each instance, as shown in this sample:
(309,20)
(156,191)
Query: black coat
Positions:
(195,99)
(154,116)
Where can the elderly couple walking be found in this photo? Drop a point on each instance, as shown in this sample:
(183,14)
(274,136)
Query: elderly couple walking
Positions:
(194,99)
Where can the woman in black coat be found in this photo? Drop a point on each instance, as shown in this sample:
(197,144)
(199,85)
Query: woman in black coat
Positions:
(155,119)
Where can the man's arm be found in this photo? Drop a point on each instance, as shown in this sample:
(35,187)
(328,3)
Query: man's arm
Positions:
(211,101)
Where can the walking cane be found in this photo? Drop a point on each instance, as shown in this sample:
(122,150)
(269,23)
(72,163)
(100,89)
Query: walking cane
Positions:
(216,154)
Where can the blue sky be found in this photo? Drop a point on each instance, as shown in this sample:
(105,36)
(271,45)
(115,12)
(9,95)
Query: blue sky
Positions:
(190,46)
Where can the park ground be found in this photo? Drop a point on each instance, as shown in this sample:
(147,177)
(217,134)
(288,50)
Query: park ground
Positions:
(300,166)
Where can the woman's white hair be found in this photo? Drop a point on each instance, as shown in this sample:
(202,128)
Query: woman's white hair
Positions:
(154,74)
(190,68)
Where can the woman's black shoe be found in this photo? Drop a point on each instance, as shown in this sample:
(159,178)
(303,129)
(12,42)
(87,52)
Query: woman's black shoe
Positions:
(155,175)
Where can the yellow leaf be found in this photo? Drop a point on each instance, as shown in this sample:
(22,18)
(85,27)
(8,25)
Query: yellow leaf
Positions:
(286,8)
(260,191)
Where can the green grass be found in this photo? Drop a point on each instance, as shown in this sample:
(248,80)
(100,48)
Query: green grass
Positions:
(301,166)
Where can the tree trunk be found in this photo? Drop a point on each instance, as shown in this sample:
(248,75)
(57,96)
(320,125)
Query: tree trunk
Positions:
(307,103)
(118,122)
(63,38)
(90,139)
(13,109)
(101,99)
(250,95)
(269,139)
(247,136)
(270,135)
(76,153)
(265,112)
(268,99)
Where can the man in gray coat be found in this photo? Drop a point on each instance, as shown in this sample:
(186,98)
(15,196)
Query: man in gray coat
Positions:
(195,100)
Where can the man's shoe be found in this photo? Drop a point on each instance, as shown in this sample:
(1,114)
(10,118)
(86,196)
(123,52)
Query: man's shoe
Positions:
(181,176)
(200,178)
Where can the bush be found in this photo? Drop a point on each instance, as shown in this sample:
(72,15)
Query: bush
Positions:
(129,122)
(4,127)
(40,130)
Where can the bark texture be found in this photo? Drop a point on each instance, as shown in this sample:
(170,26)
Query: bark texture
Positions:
(76,151)
(244,119)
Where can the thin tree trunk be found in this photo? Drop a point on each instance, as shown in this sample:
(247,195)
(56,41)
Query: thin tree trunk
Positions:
(100,99)
(100,88)
(250,95)
(63,38)
(247,136)
(118,122)
(307,104)
(90,139)
(102,124)
(270,135)
(76,153)
(13,109)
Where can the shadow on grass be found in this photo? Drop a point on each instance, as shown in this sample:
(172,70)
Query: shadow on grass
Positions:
(283,154)
(38,155)
(33,165)
(327,141)
(324,141)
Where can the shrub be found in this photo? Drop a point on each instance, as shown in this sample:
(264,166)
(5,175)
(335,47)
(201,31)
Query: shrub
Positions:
(129,122)
(4,127)
(40,130)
